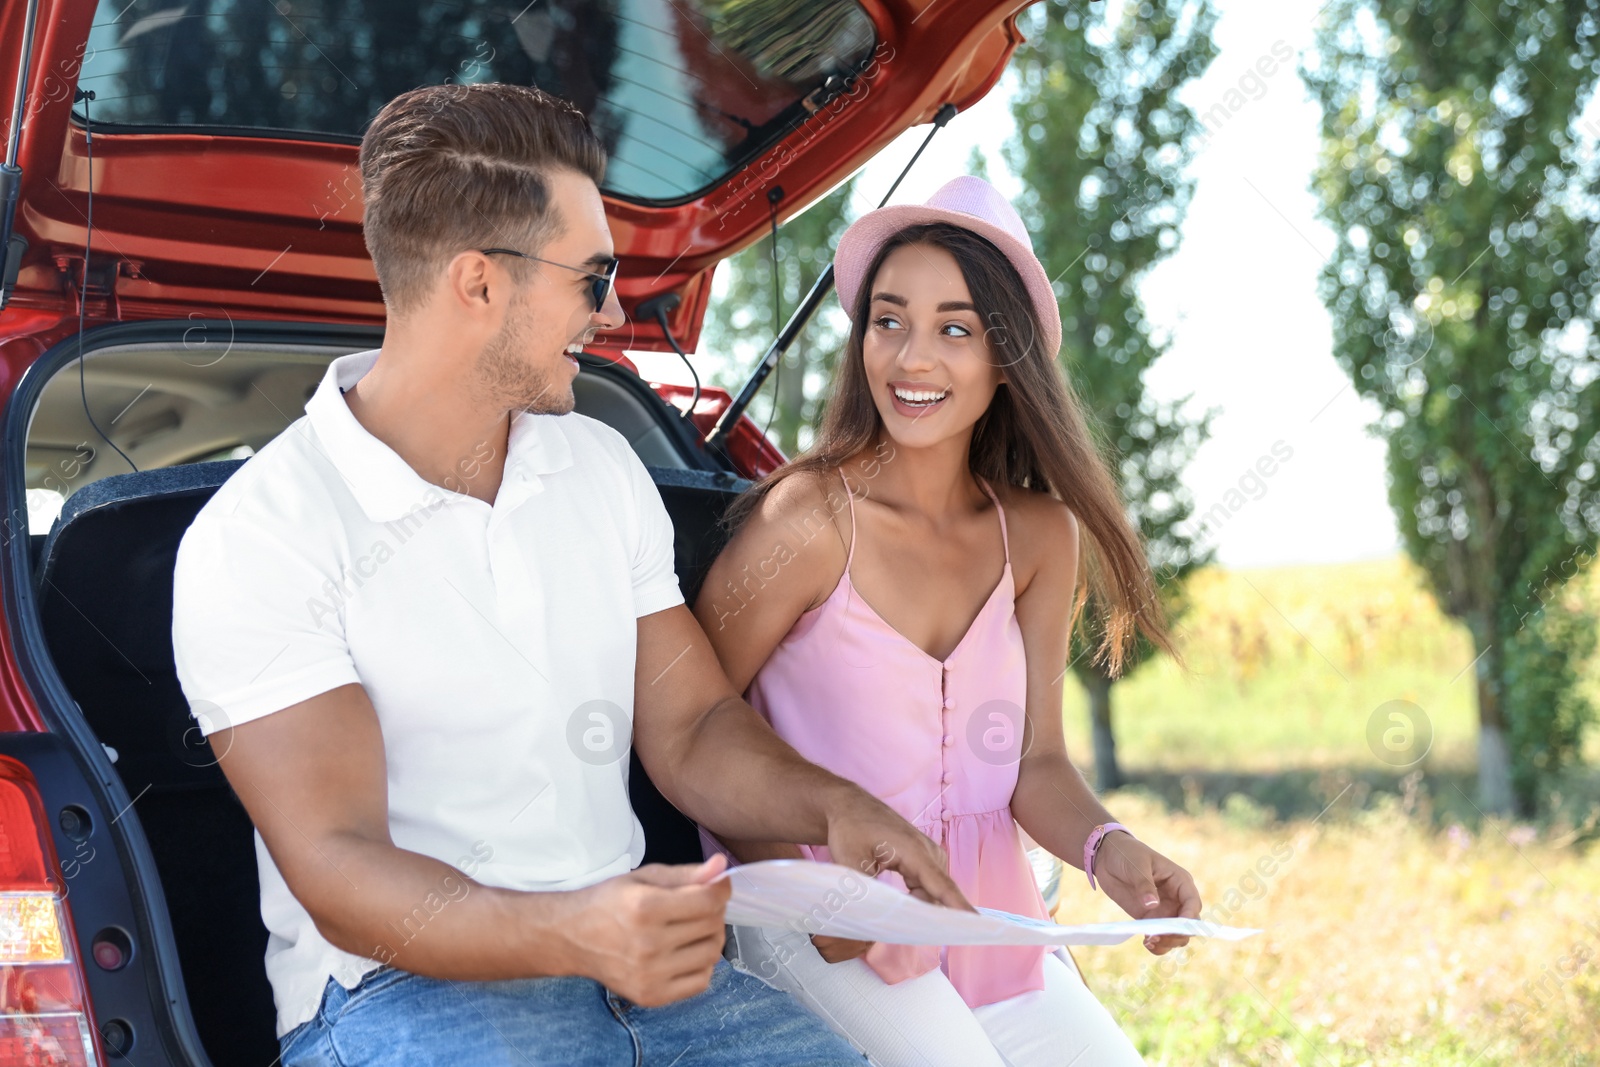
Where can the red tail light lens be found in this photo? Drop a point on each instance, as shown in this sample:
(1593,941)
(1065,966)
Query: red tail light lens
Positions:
(44,1009)
(22,849)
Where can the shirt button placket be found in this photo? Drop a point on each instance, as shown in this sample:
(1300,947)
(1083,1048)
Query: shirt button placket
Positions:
(948,739)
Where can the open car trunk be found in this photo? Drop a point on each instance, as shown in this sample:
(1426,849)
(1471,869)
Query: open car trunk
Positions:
(218,161)
(92,619)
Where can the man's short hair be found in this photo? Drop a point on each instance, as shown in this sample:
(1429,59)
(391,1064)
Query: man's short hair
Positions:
(445,168)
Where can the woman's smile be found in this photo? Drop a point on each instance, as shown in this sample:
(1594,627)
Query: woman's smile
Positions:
(916,400)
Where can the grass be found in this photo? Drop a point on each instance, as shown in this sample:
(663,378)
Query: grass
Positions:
(1401,925)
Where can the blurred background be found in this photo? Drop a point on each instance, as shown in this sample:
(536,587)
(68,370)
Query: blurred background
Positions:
(1327,277)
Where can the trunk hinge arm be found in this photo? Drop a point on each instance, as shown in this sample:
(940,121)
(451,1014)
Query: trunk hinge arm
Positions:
(719,433)
(101,286)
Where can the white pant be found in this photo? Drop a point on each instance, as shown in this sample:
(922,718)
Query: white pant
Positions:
(923,1022)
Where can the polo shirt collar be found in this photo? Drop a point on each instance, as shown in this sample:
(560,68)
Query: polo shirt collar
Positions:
(385,485)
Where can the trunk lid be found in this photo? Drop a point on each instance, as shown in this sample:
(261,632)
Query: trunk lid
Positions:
(225,132)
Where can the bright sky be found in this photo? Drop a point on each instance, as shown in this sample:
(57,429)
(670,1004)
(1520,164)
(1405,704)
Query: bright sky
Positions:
(1238,298)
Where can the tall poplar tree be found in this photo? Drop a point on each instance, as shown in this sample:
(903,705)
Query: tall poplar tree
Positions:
(1460,180)
(1102,148)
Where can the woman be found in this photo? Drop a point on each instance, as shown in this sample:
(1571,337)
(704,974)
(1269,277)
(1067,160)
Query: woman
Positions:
(898,601)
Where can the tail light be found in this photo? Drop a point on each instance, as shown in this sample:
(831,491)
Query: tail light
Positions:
(44,1007)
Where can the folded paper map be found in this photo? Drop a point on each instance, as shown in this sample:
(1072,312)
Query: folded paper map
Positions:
(826,898)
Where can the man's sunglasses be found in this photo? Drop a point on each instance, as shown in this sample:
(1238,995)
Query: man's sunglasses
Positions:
(599,287)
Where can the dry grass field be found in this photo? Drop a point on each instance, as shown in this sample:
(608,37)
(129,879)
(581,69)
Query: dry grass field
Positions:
(1400,925)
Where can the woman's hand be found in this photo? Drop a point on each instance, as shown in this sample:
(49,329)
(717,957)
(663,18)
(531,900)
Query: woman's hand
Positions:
(1146,885)
(839,949)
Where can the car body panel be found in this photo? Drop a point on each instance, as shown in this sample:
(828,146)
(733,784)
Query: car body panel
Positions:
(189,223)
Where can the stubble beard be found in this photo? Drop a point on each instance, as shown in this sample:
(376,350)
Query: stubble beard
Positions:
(504,372)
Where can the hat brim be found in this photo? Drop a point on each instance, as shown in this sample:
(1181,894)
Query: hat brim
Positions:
(861,240)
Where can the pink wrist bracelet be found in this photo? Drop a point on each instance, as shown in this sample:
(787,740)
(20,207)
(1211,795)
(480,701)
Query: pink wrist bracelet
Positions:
(1092,846)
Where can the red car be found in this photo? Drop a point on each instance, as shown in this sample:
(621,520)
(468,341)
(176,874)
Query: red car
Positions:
(185,257)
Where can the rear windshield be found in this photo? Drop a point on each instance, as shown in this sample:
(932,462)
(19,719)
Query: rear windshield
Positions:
(683,92)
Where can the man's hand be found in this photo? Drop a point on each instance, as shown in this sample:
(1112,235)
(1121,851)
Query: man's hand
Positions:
(1146,885)
(839,949)
(655,934)
(866,834)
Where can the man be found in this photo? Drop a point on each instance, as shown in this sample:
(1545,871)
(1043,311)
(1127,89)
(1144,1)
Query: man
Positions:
(419,626)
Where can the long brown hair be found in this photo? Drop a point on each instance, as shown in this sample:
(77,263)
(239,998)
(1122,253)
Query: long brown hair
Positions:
(1035,435)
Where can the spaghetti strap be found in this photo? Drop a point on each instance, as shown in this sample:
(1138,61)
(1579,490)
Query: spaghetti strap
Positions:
(851,552)
(1005,540)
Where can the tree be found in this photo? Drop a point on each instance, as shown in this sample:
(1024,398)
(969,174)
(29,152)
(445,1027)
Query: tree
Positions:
(741,325)
(1461,191)
(1102,149)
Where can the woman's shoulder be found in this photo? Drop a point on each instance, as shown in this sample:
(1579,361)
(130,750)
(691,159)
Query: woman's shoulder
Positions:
(1042,512)
(806,488)
(805,497)
(805,518)
(1040,527)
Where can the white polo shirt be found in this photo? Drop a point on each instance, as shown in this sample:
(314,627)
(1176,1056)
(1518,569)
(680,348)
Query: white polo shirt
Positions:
(497,644)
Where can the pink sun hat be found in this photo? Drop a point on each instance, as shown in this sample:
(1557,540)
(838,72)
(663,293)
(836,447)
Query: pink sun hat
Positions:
(968,202)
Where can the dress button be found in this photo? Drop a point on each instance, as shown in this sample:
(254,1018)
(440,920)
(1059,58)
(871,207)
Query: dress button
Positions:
(948,704)
(946,779)
(949,739)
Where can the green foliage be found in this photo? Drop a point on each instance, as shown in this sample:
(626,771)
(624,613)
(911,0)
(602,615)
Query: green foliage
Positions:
(1545,662)
(741,323)
(1102,150)
(1460,188)
(978,164)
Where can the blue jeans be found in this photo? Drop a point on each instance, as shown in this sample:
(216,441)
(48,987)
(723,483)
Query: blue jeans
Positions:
(393,1018)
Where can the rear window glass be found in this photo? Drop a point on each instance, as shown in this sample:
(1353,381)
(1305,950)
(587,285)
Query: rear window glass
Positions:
(683,92)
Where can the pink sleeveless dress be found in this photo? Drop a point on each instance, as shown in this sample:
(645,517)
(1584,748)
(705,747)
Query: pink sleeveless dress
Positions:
(938,741)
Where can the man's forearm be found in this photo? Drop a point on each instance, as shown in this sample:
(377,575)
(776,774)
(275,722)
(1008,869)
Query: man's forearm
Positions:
(736,777)
(752,851)
(425,916)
